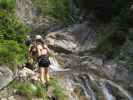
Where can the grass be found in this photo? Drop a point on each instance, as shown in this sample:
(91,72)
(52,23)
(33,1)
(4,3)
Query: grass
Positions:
(58,91)
(30,90)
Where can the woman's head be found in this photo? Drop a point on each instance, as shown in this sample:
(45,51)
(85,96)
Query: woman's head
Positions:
(38,39)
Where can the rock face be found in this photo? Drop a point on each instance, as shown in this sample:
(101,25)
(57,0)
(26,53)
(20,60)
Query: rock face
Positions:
(29,14)
(6,76)
(73,45)
(25,13)
(78,38)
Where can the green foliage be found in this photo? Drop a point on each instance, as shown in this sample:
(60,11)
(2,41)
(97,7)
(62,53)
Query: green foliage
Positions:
(119,5)
(124,20)
(12,36)
(28,89)
(40,91)
(58,91)
(111,41)
(11,28)
(24,89)
(7,4)
(61,10)
(31,90)
(103,43)
(12,53)
(130,64)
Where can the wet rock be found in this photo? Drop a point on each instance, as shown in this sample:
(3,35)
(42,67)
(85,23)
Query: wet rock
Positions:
(110,68)
(30,14)
(73,45)
(25,74)
(6,76)
(6,93)
(4,99)
(50,92)
(62,40)
(25,10)
(79,37)
(91,60)
(11,98)
(117,91)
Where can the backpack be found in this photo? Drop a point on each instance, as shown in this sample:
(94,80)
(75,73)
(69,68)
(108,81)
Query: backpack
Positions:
(28,42)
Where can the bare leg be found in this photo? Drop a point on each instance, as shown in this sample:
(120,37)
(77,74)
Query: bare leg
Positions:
(42,70)
(46,74)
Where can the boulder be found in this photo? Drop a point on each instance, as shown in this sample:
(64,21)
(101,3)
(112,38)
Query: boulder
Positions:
(25,72)
(74,45)
(79,37)
(6,76)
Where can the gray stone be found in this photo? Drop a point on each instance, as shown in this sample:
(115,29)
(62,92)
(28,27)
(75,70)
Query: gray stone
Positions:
(6,76)
(11,98)
(78,37)
(4,99)
(74,44)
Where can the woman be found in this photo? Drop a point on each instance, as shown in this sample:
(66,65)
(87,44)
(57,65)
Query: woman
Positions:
(43,60)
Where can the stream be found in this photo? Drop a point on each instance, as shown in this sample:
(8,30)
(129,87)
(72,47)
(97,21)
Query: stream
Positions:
(94,88)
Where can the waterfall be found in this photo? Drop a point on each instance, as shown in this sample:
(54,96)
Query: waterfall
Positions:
(105,91)
(124,92)
(85,81)
(87,88)
(107,94)
(55,66)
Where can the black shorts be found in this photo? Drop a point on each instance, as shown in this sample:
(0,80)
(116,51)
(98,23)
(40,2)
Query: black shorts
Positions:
(43,61)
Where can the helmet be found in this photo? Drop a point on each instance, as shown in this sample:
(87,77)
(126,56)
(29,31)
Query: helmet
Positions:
(37,37)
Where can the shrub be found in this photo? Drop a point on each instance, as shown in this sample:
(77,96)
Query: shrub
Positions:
(58,91)
(7,4)
(12,53)
(12,36)
(11,28)
(111,41)
(31,90)
(61,10)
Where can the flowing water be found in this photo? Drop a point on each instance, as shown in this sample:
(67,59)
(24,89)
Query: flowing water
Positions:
(55,65)
(92,86)
(86,82)
(105,91)
(87,87)
(124,92)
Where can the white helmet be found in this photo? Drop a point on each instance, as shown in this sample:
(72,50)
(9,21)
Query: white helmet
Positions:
(37,37)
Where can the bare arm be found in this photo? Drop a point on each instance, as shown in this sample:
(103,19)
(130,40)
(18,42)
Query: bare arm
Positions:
(49,51)
(38,50)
